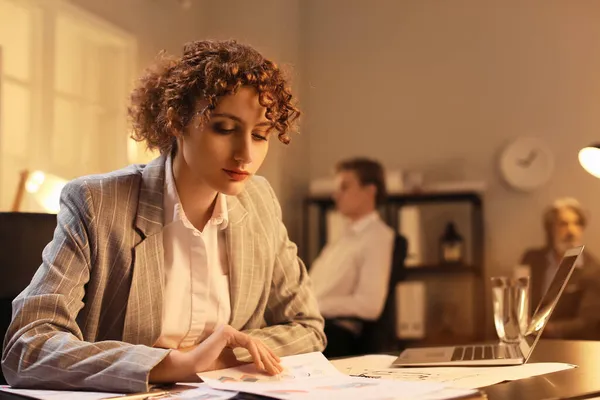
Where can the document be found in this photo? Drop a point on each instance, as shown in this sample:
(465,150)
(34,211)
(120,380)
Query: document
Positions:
(379,367)
(57,394)
(312,376)
(203,392)
(178,392)
(302,366)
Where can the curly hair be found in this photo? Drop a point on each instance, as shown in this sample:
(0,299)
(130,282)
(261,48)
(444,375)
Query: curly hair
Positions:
(165,101)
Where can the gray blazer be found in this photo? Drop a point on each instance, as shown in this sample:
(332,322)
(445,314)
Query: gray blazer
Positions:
(92,311)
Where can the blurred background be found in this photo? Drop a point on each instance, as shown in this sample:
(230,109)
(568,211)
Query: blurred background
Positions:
(435,90)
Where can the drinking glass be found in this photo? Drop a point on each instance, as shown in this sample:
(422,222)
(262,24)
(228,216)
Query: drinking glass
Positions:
(510,297)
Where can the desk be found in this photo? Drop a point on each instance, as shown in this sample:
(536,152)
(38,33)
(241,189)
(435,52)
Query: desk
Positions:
(561,384)
(569,383)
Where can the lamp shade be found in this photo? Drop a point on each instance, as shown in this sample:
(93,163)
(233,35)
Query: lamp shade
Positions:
(589,158)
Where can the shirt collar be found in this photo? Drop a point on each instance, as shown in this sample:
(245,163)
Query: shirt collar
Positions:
(173,209)
(362,223)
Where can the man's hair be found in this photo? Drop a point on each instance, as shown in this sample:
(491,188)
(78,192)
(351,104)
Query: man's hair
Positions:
(551,214)
(165,100)
(369,172)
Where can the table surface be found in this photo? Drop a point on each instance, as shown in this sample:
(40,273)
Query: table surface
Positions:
(573,383)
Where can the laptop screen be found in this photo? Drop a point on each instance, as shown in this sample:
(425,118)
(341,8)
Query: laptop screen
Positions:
(550,298)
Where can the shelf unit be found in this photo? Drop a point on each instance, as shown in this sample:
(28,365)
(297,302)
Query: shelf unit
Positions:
(471,271)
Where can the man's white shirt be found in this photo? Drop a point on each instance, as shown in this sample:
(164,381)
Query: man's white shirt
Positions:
(351,275)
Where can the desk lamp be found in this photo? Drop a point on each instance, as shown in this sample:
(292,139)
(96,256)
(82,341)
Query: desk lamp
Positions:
(589,158)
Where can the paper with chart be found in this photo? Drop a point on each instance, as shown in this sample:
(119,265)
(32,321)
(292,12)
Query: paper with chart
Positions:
(312,376)
(302,366)
(379,366)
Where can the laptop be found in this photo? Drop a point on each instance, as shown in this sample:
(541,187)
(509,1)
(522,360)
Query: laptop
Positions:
(499,354)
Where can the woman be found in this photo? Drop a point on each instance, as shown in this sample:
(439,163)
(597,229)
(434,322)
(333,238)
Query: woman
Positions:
(157,272)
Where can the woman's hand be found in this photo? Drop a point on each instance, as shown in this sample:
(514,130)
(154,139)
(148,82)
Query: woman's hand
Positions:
(214,353)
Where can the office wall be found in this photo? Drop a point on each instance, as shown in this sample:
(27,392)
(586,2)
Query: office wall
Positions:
(442,86)
(157,24)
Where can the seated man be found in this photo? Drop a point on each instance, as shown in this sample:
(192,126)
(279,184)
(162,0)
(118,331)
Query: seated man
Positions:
(350,276)
(576,315)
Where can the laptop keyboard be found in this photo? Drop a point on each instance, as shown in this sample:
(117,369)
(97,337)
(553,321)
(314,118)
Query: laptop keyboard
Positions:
(484,352)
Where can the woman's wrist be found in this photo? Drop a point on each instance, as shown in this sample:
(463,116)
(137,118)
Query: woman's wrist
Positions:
(177,366)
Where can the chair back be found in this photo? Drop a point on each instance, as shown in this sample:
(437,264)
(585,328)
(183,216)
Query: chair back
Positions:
(380,336)
(23,236)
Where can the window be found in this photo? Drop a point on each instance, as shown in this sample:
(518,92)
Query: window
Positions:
(64,80)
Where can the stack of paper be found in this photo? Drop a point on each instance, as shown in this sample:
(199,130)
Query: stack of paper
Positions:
(199,391)
(312,376)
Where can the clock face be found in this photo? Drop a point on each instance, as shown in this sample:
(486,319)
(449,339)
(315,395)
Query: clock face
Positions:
(526,163)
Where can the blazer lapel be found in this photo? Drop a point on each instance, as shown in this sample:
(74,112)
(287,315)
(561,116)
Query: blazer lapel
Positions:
(144,307)
(240,252)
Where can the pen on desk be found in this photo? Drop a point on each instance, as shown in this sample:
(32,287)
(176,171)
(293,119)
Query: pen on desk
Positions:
(363,375)
(141,396)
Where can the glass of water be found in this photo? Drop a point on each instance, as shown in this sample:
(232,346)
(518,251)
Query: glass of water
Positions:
(510,297)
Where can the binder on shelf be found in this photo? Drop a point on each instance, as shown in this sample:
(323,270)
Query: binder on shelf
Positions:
(411,303)
(411,229)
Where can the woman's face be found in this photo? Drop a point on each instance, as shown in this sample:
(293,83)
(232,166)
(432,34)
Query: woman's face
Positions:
(226,151)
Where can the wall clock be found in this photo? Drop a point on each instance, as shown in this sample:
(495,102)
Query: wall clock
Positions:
(526,163)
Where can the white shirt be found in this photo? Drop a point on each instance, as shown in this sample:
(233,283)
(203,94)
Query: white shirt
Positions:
(196,297)
(351,275)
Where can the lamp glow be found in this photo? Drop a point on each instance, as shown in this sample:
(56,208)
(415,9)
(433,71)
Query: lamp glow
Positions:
(589,158)
(45,189)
